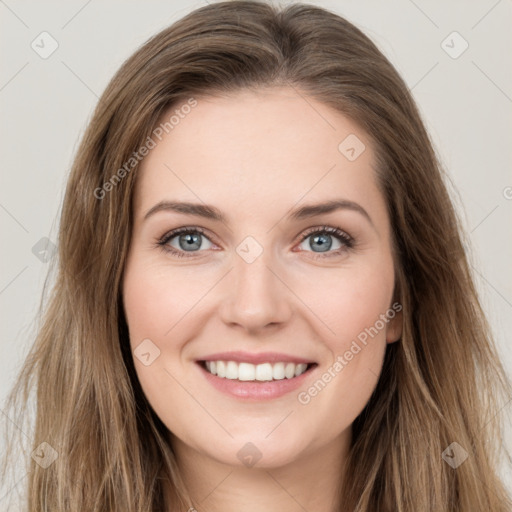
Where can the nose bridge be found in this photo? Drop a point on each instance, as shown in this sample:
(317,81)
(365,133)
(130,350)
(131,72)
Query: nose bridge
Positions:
(255,296)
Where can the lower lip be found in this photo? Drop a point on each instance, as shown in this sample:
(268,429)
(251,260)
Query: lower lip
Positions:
(256,390)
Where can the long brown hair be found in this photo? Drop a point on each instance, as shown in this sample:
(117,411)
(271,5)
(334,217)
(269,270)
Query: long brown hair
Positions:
(441,383)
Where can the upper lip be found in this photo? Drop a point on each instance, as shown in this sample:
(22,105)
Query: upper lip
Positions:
(261,357)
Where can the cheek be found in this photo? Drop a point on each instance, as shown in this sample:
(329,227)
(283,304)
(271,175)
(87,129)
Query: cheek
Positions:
(349,301)
(163,305)
(154,303)
(355,310)
(155,299)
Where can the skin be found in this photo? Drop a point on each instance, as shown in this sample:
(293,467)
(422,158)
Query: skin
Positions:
(255,156)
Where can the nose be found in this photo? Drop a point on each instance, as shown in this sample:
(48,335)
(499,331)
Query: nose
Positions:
(255,296)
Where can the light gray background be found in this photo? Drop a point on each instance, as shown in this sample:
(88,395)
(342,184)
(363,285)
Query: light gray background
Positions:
(466,103)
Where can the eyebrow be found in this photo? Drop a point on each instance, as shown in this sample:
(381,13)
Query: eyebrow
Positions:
(304,212)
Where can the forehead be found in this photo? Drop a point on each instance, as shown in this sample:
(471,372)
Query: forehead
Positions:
(257,149)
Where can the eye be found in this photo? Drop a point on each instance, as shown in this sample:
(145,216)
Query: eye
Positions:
(322,239)
(184,240)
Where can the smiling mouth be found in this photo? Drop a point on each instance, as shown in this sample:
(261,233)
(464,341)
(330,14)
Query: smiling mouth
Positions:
(247,372)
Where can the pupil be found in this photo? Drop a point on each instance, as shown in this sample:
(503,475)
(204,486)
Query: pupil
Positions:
(324,241)
(190,240)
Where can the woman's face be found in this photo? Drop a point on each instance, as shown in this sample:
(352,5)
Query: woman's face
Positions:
(267,282)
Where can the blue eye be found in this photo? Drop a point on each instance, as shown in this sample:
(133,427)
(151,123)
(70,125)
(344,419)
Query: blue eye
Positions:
(187,239)
(184,242)
(323,240)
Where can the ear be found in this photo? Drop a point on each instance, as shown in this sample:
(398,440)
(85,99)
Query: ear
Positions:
(394,314)
(394,325)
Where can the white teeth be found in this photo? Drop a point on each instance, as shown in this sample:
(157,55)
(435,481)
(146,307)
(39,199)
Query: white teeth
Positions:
(231,370)
(264,371)
(246,371)
(250,372)
(221,368)
(289,371)
(278,371)
(300,368)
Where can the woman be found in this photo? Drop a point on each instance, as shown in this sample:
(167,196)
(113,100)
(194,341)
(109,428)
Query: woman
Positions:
(206,346)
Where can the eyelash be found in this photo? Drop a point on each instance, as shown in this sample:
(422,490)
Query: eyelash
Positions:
(347,240)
